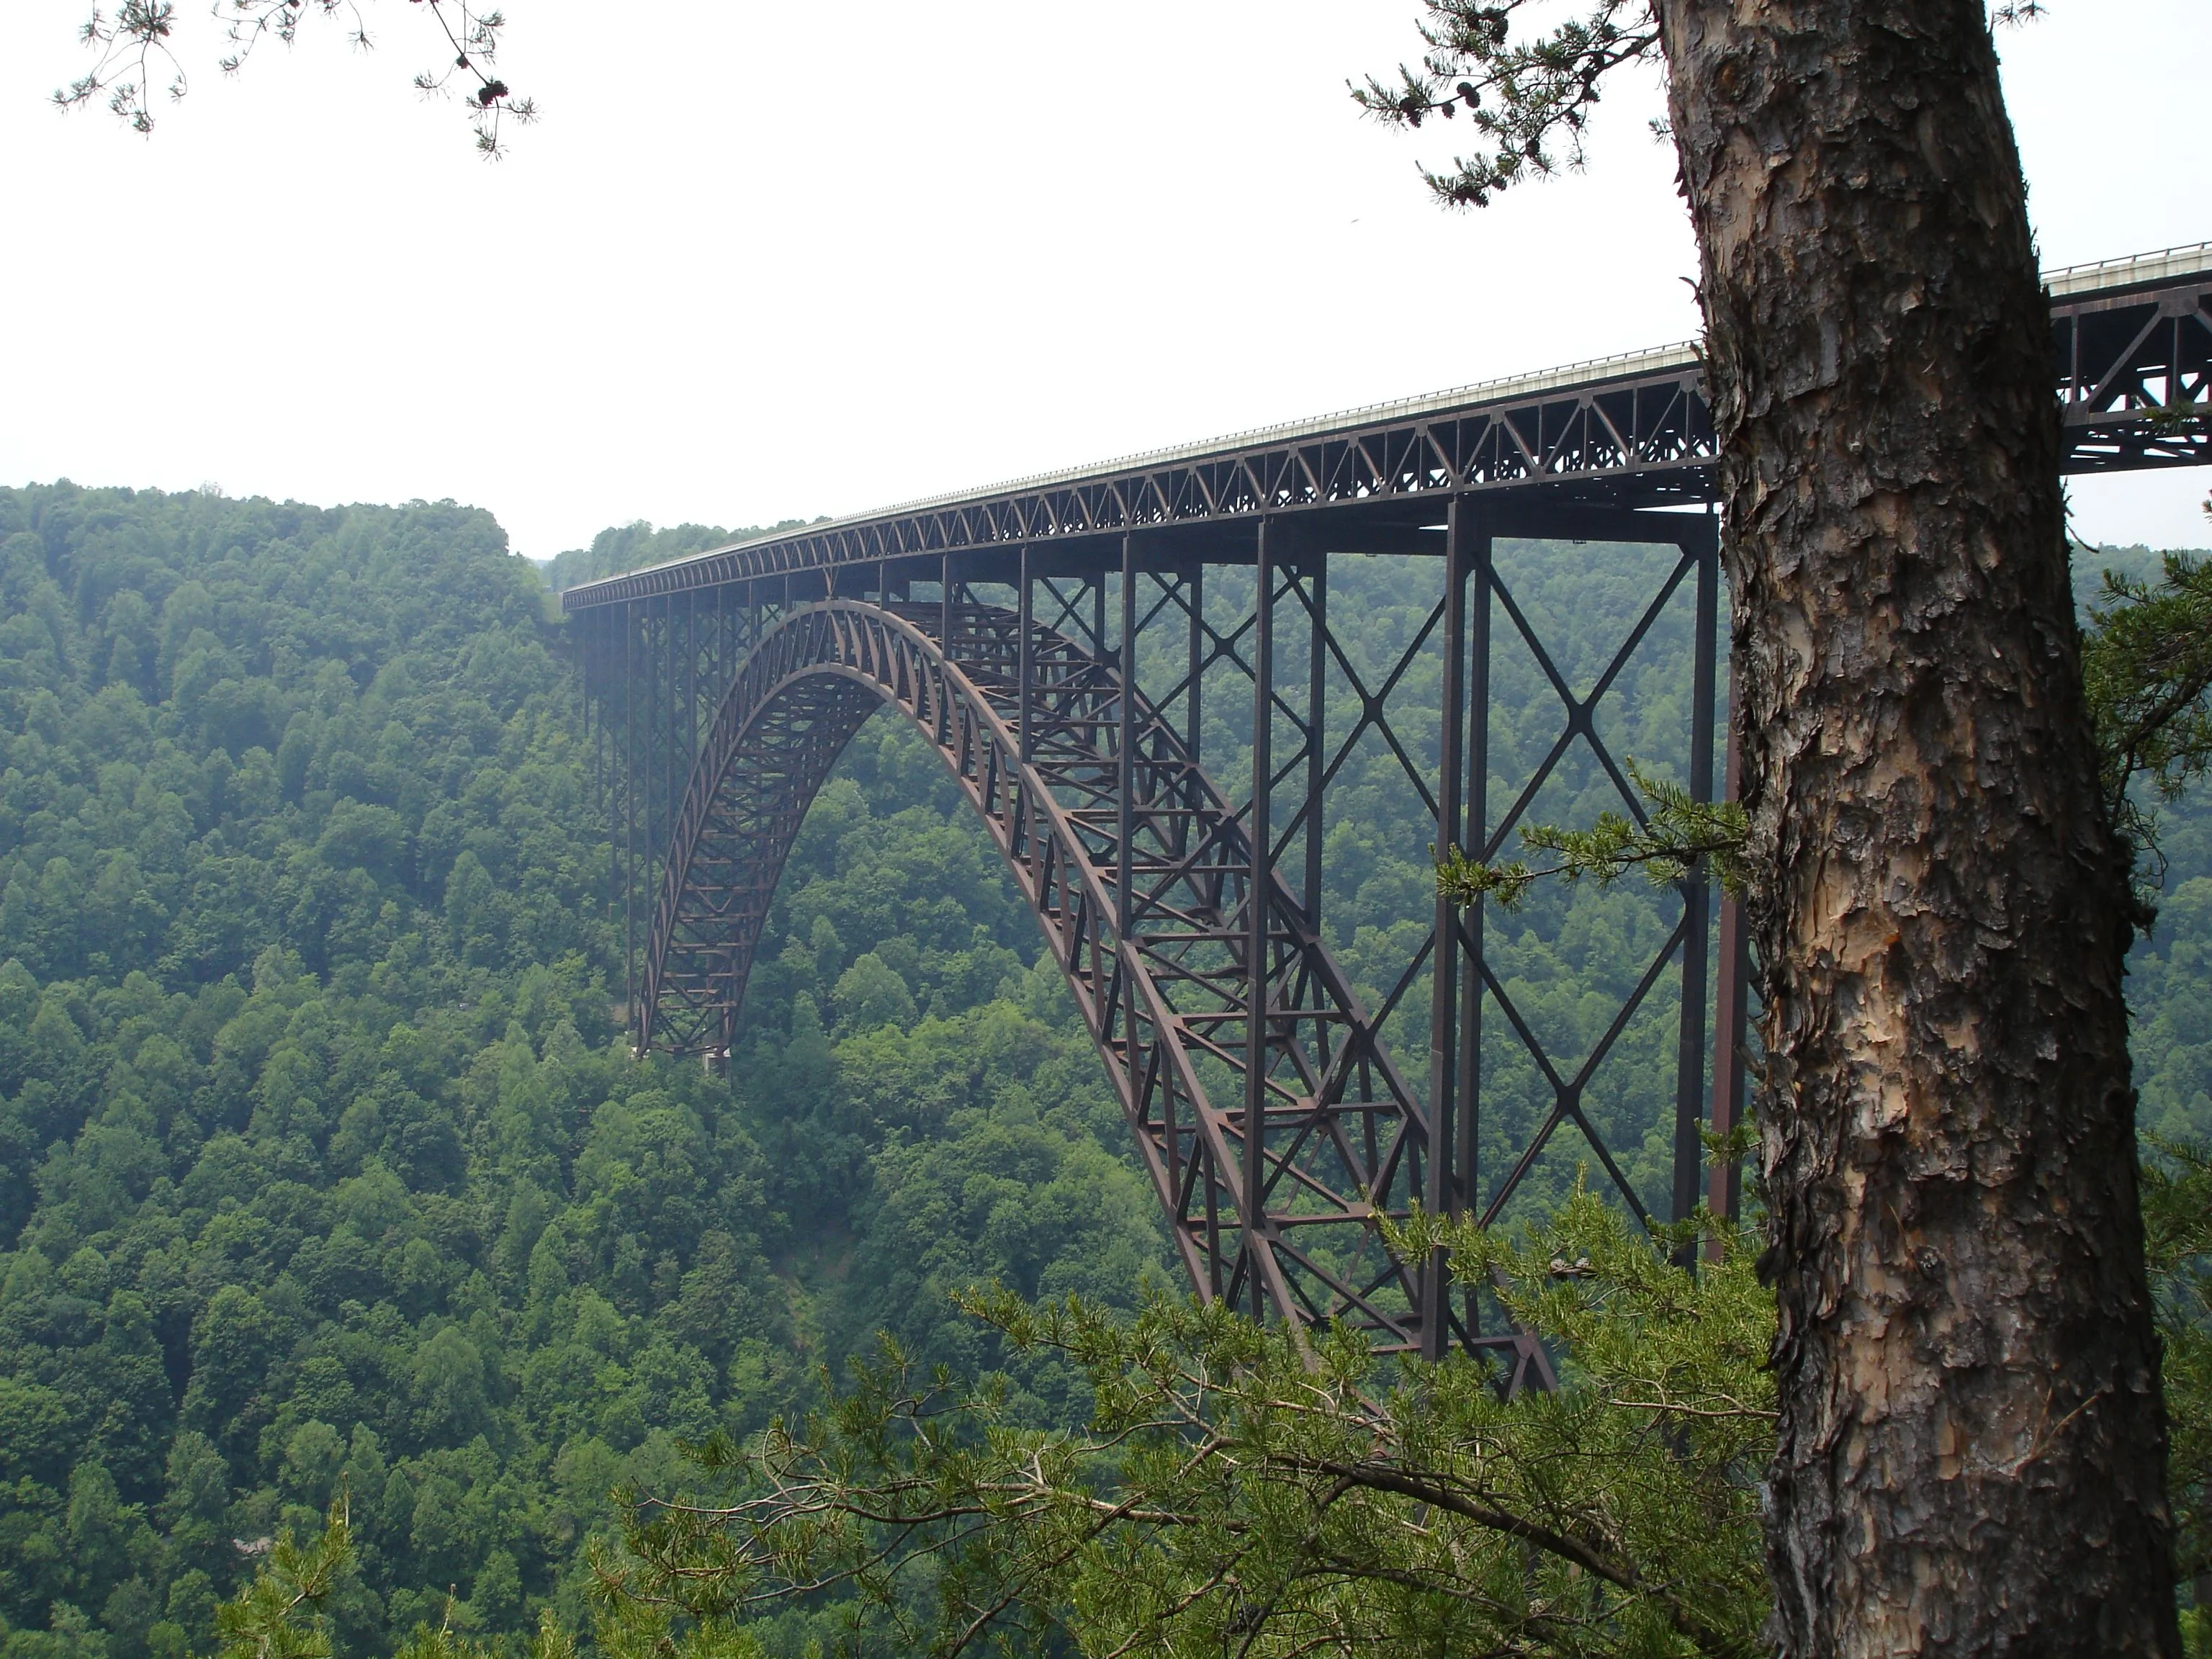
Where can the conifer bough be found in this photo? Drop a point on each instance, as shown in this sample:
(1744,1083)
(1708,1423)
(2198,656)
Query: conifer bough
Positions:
(134,47)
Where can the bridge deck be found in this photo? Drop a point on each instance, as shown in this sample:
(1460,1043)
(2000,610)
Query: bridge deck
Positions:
(2131,342)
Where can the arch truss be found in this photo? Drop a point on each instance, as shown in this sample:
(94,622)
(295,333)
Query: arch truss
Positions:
(1272,1123)
(1070,697)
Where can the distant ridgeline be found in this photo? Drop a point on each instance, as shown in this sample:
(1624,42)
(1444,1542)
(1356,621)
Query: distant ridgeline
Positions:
(319,1157)
(634,546)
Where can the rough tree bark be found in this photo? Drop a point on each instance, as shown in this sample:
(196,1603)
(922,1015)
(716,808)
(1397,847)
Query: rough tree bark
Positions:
(1972,1444)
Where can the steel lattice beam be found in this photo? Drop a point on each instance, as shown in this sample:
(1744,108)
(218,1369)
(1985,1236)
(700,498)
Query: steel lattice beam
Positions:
(2132,355)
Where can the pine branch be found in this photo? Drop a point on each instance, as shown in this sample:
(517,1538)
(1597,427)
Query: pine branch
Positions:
(1680,832)
(267,1619)
(1238,1491)
(1528,99)
(2147,668)
(134,48)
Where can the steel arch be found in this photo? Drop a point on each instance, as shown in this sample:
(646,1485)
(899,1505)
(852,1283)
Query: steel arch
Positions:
(1166,995)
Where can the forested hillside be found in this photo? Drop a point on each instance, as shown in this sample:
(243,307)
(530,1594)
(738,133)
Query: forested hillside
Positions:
(320,1158)
(319,1161)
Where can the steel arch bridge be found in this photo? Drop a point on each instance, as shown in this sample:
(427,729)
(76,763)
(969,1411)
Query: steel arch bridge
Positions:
(1064,644)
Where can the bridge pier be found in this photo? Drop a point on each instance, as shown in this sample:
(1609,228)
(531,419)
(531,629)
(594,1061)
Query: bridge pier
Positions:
(1102,745)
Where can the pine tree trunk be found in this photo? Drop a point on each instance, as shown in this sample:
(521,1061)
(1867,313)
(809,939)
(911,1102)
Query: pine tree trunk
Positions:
(1972,1457)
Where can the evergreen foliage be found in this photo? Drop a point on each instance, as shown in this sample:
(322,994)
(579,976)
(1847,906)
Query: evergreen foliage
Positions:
(1237,1492)
(2147,666)
(2177,1229)
(1679,834)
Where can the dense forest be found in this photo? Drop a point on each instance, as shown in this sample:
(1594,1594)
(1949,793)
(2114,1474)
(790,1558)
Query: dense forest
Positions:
(322,1162)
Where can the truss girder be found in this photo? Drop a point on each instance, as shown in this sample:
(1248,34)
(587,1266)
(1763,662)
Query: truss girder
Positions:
(2135,374)
(2132,364)
(1169,1002)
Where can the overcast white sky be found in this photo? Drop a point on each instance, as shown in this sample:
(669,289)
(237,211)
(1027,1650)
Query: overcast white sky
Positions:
(763,261)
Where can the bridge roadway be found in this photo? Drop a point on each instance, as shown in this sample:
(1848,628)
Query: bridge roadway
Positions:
(1187,917)
(2131,342)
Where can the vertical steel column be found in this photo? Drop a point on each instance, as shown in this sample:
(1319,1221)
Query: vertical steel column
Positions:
(944,644)
(1730,1005)
(1025,664)
(1317,675)
(1197,659)
(602,656)
(1126,749)
(669,712)
(656,762)
(596,621)
(1255,922)
(630,828)
(663,710)
(1467,1143)
(616,755)
(1690,1053)
(594,716)
(1444,958)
